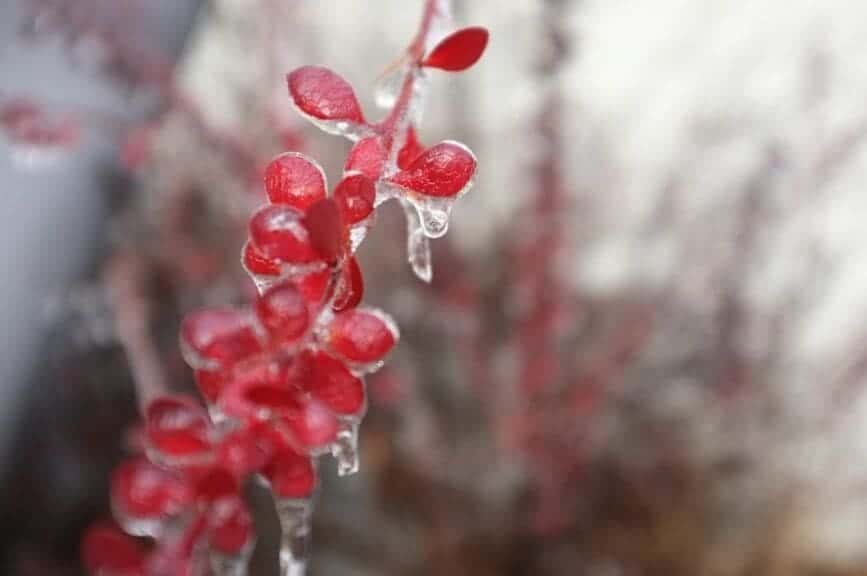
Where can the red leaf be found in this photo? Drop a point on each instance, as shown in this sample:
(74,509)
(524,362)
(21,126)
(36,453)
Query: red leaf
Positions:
(278,234)
(217,337)
(443,170)
(351,288)
(325,227)
(257,263)
(334,384)
(459,50)
(354,196)
(313,427)
(324,94)
(230,526)
(177,427)
(141,490)
(291,475)
(362,335)
(367,157)
(107,550)
(411,150)
(294,179)
(282,310)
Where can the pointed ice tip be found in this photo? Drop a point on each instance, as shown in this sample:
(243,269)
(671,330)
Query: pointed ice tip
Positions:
(422,272)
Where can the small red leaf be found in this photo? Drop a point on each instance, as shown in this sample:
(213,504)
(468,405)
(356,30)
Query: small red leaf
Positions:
(324,94)
(459,50)
(278,233)
(256,263)
(230,526)
(362,335)
(335,385)
(324,224)
(214,483)
(355,195)
(254,400)
(177,427)
(411,150)
(217,337)
(443,170)
(312,427)
(295,180)
(141,490)
(107,550)
(292,475)
(282,310)
(351,288)
(367,157)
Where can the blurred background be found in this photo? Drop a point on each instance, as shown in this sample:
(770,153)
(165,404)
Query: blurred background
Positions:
(643,349)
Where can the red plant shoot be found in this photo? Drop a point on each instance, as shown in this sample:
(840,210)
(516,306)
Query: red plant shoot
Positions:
(284,378)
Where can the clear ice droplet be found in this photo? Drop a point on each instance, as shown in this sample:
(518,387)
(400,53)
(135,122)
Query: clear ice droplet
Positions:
(434,215)
(345,449)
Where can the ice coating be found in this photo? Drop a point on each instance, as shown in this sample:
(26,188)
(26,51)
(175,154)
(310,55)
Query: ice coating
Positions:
(433,214)
(388,86)
(295,522)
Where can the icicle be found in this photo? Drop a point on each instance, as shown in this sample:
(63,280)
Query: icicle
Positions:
(417,244)
(295,520)
(345,448)
(433,214)
(230,565)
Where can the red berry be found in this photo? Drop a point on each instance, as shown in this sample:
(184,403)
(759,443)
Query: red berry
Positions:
(350,290)
(230,526)
(292,475)
(278,233)
(367,157)
(141,490)
(295,180)
(459,50)
(362,335)
(323,94)
(219,336)
(354,196)
(282,310)
(336,386)
(177,427)
(107,550)
(443,170)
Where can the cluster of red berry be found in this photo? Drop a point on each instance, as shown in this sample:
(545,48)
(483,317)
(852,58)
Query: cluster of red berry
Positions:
(283,379)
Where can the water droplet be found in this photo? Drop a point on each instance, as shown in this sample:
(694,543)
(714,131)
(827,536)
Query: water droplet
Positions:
(295,522)
(433,214)
(345,448)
